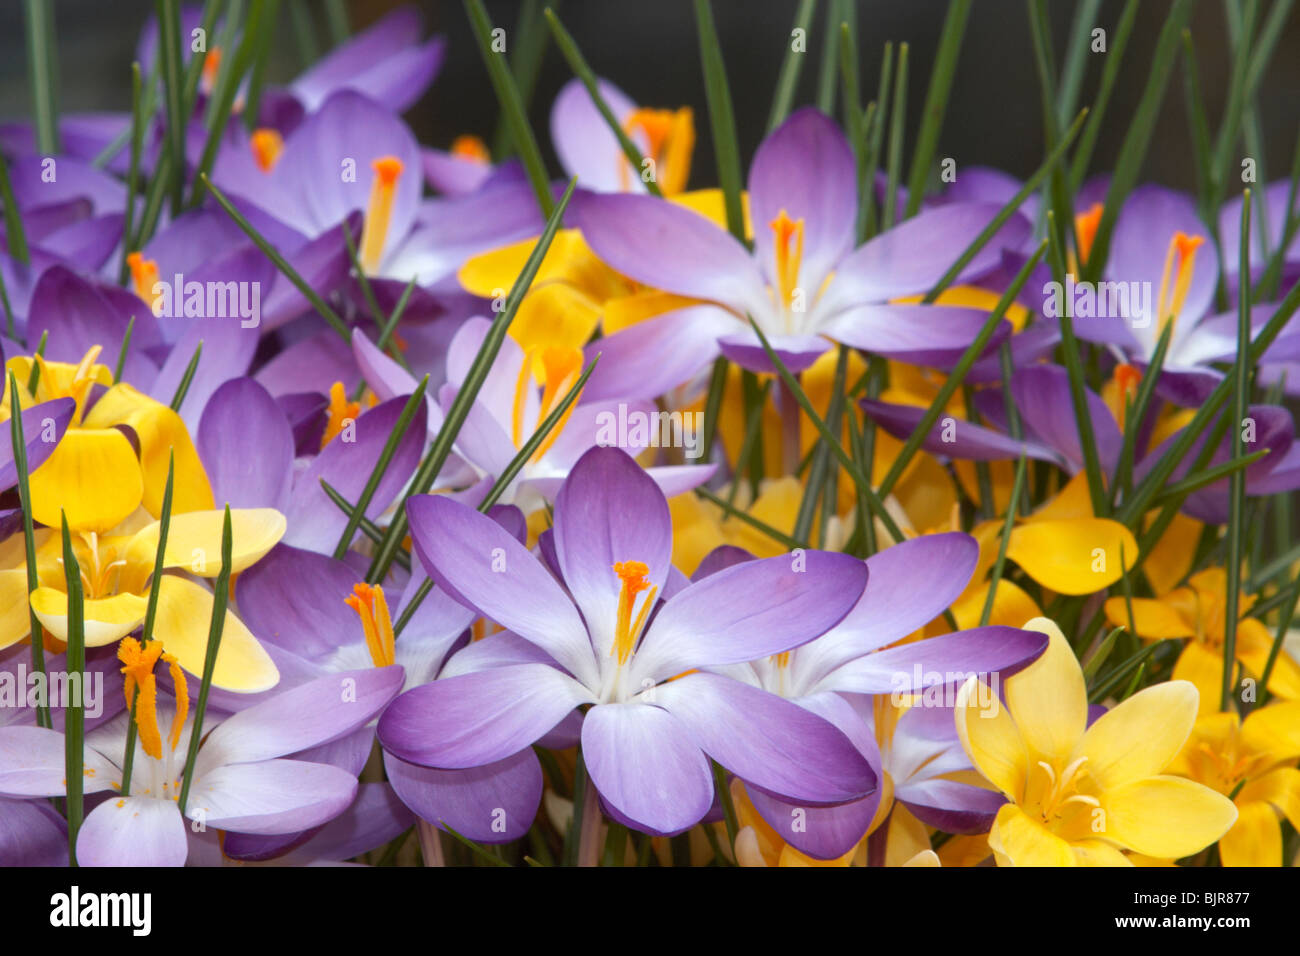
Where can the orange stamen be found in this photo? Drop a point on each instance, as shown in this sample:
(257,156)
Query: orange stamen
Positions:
(388,170)
(670,138)
(785,229)
(138,668)
(211,65)
(633,575)
(377,624)
(1085,229)
(1180,263)
(267,145)
(144,276)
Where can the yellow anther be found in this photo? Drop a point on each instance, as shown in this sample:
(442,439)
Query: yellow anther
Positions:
(388,170)
(787,238)
(267,145)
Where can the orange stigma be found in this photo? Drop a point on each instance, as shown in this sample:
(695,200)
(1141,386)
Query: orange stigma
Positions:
(138,665)
(670,138)
(388,170)
(211,66)
(788,259)
(267,145)
(633,575)
(561,367)
(1085,229)
(371,606)
(1180,263)
(471,148)
(144,276)
(1126,379)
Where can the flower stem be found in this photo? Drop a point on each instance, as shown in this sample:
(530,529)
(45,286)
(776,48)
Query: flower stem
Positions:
(589,834)
(430,844)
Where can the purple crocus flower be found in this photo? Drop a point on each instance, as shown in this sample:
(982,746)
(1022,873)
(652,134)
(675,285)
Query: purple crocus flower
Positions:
(908,585)
(1042,398)
(656,717)
(804,283)
(241,781)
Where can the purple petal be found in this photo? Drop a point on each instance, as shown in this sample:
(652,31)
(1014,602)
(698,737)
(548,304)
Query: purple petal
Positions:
(749,611)
(609,511)
(652,357)
(271,796)
(133,831)
(583,141)
(246,446)
(933,335)
(646,766)
(492,804)
(766,740)
(797,352)
(968,441)
(32,834)
(479,718)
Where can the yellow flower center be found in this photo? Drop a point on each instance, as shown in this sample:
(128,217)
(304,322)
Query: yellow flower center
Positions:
(633,580)
(670,136)
(58,380)
(138,666)
(388,170)
(372,607)
(340,412)
(267,145)
(1056,795)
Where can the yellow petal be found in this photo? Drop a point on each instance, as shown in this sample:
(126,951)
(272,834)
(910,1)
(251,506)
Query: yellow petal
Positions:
(1076,556)
(1254,644)
(711,204)
(108,619)
(1279,787)
(1154,618)
(1166,816)
(991,738)
(1018,840)
(1074,501)
(924,858)
(1048,698)
(556,316)
(194,540)
(1171,558)
(1098,853)
(627,310)
(747,850)
(906,838)
(15,622)
(93,476)
(1255,839)
(792,857)
(160,432)
(1011,606)
(1204,668)
(184,613)
(1140,736)
(1273,730)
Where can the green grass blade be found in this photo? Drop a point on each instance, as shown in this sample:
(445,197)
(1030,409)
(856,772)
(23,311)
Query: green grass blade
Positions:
(936,101)
(512,105)
(1114,58)
(29,541)
(1000,563)
(721,117)
(169,61)
(14,234)
(897,120)
(791,66)
(74,725)
(43,74)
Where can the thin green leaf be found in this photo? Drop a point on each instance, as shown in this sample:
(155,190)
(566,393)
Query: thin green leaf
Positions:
(936,101)
(29,541)
(791,66)
(74,714)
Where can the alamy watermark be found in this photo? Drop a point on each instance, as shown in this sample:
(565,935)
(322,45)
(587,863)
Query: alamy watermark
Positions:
(20,688)
(209,300)
(634,428)
(1129,300)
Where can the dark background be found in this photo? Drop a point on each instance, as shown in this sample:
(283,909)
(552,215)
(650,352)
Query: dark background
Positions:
(648,47)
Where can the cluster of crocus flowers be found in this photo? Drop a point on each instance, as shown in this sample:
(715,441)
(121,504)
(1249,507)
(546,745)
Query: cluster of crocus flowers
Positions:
(371,501)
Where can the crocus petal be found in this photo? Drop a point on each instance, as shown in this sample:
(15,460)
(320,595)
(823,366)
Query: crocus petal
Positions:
(1118,755)
(481,563)
(32,764)
(749,611)
(1024,841)
(1254,840)
(609,511)
(194,540)
(479,718)
(666,246)
(933,335)
(305,716)
(911,257)
(936,661)
(1042,394)
(247,446)
(991,738)
(652,357)
(92,476)
(271,796)
(1048,698)
(106,619)
(583,141)
(952,437)
(32,834)
(1077,556)
(647,767)
(133,831)
(492,804)
(184,614)
(43,428)
(796,352)
(766,740)
(314,521)
(805,168)
(1166,817)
